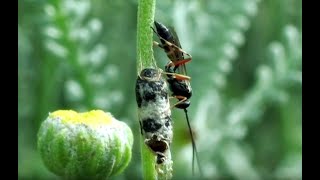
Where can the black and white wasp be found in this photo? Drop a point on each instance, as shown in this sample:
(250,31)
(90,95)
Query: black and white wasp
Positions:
(177,78)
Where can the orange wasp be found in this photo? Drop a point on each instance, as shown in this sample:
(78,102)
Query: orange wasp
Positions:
(177,78)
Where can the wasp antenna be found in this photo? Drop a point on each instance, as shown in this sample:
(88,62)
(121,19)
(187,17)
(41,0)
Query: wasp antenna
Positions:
(153,30)
(194,147)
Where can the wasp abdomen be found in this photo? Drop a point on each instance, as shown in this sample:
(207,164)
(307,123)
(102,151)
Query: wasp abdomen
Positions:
(179,88)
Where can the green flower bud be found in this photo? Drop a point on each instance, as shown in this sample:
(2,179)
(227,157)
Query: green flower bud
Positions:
(90,145)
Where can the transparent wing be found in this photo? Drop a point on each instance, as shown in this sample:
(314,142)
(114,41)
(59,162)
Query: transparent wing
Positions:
(179,54)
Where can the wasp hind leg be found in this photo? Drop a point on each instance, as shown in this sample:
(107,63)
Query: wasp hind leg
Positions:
(178,62)
(174,65)
(181,62)
(178,76)
(181,100)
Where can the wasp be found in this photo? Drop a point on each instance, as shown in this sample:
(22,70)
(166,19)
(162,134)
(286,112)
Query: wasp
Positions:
(177,78)
(154,112)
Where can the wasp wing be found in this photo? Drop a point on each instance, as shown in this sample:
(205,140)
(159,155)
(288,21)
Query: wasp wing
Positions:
(179,54)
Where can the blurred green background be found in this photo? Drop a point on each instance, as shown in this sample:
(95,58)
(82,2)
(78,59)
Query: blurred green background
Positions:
(246,78)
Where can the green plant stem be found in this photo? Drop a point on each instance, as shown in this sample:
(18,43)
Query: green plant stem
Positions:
(146,9)
(148,162)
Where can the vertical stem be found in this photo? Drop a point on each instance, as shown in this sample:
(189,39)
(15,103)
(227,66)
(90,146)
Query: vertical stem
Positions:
(146,9)
(148,162)
(145,59)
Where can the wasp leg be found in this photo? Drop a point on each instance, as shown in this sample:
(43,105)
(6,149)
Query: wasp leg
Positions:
(169,71)
(170,44)
(178,62)
(174,46)
(181,62)
(155,31)
(155,43)
(182,77)
(171,50)
(179,102)
(178,76)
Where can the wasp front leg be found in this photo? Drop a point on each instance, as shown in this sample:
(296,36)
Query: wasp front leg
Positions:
(170,45)
(155,43)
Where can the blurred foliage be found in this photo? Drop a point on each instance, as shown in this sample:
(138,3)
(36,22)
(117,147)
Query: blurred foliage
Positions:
(246,77)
